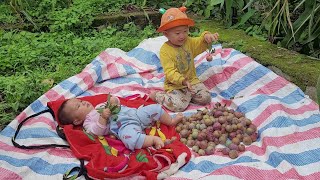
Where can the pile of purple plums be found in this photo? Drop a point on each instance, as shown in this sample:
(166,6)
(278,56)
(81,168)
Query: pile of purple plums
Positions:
(207,128)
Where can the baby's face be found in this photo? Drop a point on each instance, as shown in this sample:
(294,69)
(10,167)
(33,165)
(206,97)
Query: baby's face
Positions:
(78,109)
(177,35)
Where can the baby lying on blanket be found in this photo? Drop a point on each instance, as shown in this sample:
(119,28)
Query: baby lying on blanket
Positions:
(128,126)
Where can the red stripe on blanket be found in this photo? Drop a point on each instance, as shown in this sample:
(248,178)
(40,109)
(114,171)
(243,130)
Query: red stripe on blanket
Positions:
(105,56)
(225,52)
(86,78)
(112,71)
(279,107)
(149,75)
(52,95)
(125,87)
(110,60)
(255,173)
(177,178)
(21,117)
(124,61)
(41,119)
(280,141)
(272,87)
(227,72)
(7,174)
(60,152)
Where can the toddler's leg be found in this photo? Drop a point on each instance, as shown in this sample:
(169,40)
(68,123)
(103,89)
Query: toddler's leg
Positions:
(202,95)
(176,100)
(154,112)
(166,119)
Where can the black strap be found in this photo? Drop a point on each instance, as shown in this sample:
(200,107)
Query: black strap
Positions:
(81,170)
(35,146)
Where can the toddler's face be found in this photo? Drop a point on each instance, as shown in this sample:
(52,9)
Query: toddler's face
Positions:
(78,109)
(177,35)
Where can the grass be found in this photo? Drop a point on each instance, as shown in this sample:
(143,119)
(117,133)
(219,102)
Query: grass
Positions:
(32,63)
(303,70)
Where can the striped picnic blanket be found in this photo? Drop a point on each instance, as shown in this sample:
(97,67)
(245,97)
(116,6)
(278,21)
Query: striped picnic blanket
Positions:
(288,121)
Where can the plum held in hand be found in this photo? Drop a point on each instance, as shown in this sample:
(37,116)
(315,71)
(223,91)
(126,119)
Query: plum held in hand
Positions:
(209,57)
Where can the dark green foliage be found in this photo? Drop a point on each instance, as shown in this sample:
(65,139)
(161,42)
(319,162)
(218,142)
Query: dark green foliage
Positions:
(292,24)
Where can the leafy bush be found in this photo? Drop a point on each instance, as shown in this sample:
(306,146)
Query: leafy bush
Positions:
(32,63)
(292,24)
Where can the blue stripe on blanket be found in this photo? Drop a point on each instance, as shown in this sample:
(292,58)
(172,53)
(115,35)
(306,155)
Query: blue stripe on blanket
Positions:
(255,102)
(208,166)
(284,121)
(72,87)
(299,159)
(126,80)
(29,133)
(144,56)
(129,69)
(37,165)
(245,81)
(97,68)
(205,66)
(37,106)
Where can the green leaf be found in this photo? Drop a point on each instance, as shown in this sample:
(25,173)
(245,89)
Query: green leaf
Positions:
(315,34)
(107,149)
(248,5)
(114,117)
(207,12)
(299,25)
(229,12)
(245,18)
(100,109)
(215,2)
(117,110)
(301,3)
(144,159)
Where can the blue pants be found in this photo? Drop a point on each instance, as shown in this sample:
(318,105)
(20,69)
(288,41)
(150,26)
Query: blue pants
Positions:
(132,122)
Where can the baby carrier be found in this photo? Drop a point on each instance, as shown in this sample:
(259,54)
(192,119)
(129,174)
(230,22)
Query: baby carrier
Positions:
(103,157)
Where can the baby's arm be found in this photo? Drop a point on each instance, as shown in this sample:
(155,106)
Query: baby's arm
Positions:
(153,141)
(97,123)
(104,117)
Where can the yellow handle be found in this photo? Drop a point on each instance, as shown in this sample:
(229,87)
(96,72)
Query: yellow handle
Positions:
(152,131)
(104,142)
(161,135)
(114,151)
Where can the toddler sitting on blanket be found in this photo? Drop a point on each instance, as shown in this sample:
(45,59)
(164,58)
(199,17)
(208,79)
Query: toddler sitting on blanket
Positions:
(181,84)
(128,126)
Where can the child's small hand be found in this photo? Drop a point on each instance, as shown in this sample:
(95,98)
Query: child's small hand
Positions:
(106,113)
(209,38)
(189,86)
(158,143)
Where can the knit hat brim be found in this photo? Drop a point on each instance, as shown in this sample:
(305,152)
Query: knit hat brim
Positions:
(176,23)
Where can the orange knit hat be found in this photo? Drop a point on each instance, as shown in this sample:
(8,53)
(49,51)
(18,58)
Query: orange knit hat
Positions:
(174,17)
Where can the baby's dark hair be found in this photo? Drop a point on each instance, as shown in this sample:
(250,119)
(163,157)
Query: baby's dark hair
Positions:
(64,118)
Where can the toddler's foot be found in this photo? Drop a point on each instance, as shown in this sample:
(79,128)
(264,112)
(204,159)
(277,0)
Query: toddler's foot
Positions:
(178,118)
